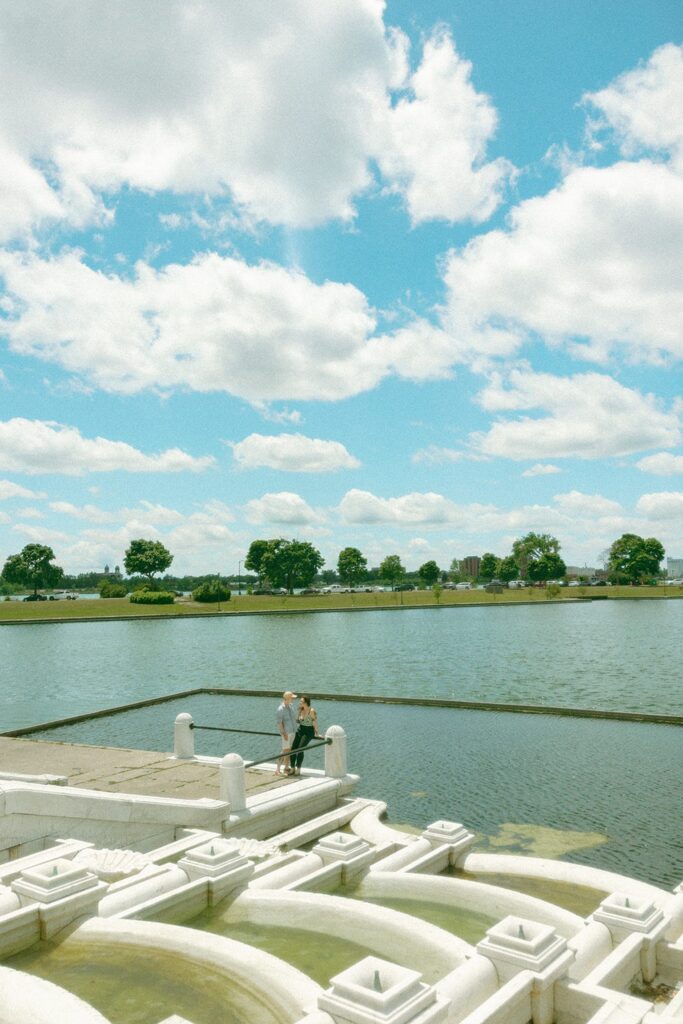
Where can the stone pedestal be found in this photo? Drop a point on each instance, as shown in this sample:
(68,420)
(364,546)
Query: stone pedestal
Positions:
(452,834)
(221,863)
(335,753)
(624,915)
(64,891)
(352,852)
(376,991)
(514,945)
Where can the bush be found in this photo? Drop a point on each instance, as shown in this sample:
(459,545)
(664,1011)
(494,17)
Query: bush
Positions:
(152,597)
(211,592)
(110,589)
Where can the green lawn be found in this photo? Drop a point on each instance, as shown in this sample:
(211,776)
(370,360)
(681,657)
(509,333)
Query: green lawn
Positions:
(97,608)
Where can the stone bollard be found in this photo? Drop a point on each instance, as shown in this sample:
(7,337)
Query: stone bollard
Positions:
(335,753)
(233,785)
(183,736)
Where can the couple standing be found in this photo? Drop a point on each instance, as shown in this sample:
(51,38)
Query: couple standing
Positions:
(297,726)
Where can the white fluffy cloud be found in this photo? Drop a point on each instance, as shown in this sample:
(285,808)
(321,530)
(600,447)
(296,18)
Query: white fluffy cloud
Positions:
(437,139)
(662,464)
(293,453)
(594,264)
(37,446)
(280,109)
(284,508)
(587,416)
(260,332)
(410,509)
(643,106)
(541,469)
(577,503)
(8,490)
(664,505)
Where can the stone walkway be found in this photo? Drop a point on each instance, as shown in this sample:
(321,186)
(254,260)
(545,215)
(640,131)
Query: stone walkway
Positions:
(118,770)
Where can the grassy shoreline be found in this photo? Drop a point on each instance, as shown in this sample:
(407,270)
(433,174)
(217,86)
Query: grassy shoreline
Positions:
(103,609)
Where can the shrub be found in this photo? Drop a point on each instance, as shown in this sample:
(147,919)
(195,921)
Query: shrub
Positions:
(110,589)
(152,597)
(211,592)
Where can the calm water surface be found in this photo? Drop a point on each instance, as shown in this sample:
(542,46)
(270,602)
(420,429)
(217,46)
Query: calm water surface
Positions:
(617,782)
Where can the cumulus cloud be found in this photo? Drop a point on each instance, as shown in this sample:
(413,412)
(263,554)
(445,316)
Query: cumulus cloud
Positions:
(283,508)
(436,141)
(541,469)
(90,513)
(8,490)
(277,110)
(434,455)
(293,453)
(364,507)
(594,264)
(642,107)
(577,503)
(665,505)
(39,446)
(662,464)
(587,416)
(216,324)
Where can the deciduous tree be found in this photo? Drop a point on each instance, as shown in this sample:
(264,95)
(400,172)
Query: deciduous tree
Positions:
(147,558)
(392,570)
(352,566)
(429,573)
(635,558)
(488,567)
(538,557)
(291,563)
(33,568)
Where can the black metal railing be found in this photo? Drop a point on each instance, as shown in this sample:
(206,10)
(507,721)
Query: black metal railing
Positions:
(289,753)
(221,728)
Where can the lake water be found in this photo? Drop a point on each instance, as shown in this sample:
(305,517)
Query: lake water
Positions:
(599,792)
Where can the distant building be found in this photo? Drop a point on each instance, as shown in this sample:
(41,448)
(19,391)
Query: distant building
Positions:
(674,568)
(470,566)
(582,570)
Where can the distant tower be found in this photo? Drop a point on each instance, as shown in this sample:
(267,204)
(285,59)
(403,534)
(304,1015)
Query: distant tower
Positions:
(106,570)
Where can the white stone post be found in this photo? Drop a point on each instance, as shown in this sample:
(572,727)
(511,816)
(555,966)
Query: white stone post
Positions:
(183,736)
(233,785)
(335,753)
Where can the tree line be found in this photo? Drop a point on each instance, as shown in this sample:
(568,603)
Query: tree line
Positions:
(293,564)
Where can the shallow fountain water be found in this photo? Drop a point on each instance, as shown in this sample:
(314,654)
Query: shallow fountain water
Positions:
(130,987)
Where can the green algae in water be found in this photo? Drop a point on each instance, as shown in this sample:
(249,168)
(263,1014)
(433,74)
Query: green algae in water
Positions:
(130,985)
(578,899)
(317,955)
(466,924)
(538,840)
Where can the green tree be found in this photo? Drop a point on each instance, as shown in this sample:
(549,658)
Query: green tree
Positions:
(254,559)
(351,566)
(488,568)
(212,592)
(291,563)
(454,570)
(531,554)
(635,558)
(33,568)
(147,558)
(547,567)
(506,569)
(429,573)
(392,570)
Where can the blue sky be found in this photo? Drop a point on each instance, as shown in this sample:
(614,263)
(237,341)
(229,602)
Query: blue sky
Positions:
(403,276)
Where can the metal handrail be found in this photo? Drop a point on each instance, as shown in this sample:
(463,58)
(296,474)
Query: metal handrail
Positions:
(220,728)
(281,753)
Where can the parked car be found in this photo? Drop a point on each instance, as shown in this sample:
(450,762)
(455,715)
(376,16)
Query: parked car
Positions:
(463,586)
(35,597)
(406,586)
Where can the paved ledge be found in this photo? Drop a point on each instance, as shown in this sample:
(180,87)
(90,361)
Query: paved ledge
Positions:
(118,770)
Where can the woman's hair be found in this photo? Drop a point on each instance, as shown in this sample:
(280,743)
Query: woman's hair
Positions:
(306,700)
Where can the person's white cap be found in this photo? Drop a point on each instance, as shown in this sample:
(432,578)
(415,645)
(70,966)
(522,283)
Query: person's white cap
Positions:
(288,693)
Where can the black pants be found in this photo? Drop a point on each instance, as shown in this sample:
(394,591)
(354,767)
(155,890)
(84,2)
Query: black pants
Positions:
(304,735)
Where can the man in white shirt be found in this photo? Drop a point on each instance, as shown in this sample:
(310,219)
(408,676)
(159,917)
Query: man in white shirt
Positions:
(286,723)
